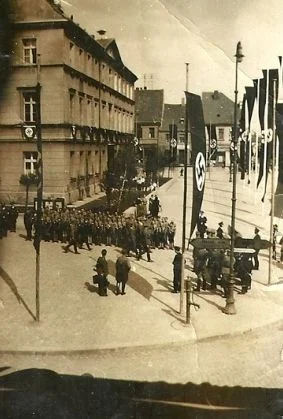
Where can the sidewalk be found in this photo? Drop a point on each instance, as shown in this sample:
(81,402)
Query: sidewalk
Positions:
(72,318)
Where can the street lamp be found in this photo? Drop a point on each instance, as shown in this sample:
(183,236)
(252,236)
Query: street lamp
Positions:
(230,306)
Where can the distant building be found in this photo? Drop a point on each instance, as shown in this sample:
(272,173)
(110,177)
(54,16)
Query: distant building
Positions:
(172,133)
(87,104)
(149,114)
(218,112)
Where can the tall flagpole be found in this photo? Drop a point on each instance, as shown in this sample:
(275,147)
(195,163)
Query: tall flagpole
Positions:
(184,199)
(39,168)
(272,180)
(256,144)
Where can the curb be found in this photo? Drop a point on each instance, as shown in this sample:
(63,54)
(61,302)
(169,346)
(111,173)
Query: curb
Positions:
(129,348)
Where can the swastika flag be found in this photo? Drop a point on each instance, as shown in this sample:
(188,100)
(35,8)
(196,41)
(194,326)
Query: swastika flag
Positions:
(198,143)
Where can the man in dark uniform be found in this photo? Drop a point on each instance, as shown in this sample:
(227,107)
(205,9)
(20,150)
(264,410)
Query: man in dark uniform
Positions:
(12,220)
(102,262)
(274,241)
(257,240)
(200,265)
(177,270)
(123,268)
(101,280)
(201,224)
(219,231)
(28,222)
(73,236)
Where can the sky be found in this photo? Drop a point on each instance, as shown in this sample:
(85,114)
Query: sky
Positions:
(157,37)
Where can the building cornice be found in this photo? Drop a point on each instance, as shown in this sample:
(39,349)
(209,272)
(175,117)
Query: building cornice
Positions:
(81,38)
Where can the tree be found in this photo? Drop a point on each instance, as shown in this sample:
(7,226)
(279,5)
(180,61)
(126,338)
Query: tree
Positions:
(28,180)
(124,162)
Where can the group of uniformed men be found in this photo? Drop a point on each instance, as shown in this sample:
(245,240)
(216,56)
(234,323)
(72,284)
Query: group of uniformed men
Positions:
(8,219)
(213,265)
(77,227)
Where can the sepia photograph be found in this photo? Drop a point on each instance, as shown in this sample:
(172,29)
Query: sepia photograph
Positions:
(141,207)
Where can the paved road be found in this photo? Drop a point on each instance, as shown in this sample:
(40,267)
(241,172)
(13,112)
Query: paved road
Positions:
(253,361)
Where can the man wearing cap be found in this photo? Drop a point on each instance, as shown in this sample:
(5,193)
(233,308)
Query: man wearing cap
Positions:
(177,269)
(257,240)
(219,231)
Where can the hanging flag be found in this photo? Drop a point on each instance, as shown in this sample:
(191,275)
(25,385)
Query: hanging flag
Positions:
(250,96)
(278,205)
(266,117)
(243,137)
(197,130)
(212,142)
(173,135)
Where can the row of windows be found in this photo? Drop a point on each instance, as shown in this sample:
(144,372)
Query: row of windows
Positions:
(85,112)
(107,76)
(79,165)
(80,58)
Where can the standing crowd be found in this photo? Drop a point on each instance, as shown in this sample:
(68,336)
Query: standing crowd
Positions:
(8,219)
(212,266)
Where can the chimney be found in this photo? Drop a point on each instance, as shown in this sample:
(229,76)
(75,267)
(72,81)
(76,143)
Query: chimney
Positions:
(215,95)
(102,33)
(183,101)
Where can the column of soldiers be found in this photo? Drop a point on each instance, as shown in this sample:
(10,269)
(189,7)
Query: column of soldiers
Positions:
(85,227)
(8,219)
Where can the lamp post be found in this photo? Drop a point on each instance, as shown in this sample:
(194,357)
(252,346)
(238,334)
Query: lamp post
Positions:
(230,306)
(185,193)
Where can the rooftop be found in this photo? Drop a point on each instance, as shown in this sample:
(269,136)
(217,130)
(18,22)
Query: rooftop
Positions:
(217,108)
(149,105)
(173,114)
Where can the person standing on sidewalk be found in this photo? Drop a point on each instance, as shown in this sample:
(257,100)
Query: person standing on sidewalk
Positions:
(102,263)
(177,270)
(219,231)
(101,280)
(274,241)
(257,240)
(123,268)
(200,268)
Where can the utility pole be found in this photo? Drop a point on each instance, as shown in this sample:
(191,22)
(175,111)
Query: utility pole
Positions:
(39,169)
(230,306)
(185,191)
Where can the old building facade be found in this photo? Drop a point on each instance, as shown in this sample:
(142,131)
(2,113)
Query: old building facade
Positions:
(86,104)
(218,112)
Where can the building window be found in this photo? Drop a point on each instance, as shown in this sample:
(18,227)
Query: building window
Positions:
(29,47)
(72,99)
(72,53)
(30,159)
(181,138)
(81,102)
(221,134)
(151,133)
(29,107)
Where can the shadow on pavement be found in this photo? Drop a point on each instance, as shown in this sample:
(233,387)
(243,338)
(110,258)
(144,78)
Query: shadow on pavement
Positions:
(40,393)
(14,290)
(136,281)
